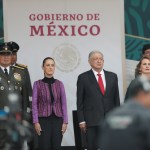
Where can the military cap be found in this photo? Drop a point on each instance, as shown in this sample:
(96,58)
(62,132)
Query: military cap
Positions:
(145,47)
(5,48)
(14,45)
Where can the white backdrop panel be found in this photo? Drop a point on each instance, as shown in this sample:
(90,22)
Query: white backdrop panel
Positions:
(73,40)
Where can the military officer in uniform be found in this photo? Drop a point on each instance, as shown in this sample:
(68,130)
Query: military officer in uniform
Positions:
(11,82)
(15,48)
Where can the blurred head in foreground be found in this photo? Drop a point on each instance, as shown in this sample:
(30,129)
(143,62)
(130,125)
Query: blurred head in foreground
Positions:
(140,90)
(127,127)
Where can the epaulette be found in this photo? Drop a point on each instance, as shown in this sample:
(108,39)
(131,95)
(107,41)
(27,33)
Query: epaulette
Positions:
(18,67)
(21,65)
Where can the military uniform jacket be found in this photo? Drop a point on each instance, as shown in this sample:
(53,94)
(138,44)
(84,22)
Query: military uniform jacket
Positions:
(27,84)
(14,84)
(27,76)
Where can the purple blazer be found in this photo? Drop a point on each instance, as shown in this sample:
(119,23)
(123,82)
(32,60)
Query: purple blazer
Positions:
(42,104)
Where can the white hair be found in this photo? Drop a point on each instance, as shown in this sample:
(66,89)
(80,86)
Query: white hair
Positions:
(95,51)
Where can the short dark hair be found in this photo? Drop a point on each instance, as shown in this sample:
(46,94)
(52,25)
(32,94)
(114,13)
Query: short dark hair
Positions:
(145,47)
(47,59)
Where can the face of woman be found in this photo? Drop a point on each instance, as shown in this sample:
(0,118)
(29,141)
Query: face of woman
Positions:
(145,66)
(49,68)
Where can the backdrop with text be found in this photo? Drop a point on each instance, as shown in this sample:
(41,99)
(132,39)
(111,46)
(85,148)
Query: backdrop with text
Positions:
(67,30)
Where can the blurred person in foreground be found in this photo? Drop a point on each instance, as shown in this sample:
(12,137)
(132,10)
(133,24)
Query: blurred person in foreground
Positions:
(49,108)
(128,127)
(97,94)
(142,69)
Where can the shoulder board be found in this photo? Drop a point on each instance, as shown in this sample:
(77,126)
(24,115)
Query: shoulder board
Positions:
(21,65)
(18,67)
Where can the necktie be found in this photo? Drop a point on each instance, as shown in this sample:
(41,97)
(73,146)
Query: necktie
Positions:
(6,72)
(101,85)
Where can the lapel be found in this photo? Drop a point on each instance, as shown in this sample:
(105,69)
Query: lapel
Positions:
(95,83)
(108,83)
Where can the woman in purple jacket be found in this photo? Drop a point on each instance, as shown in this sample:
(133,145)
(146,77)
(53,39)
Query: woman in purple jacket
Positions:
(49,108)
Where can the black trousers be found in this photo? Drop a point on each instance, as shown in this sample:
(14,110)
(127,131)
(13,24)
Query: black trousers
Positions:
(51,135)
(93,138)
(3,137)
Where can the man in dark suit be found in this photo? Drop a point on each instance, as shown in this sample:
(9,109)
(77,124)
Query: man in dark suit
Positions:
(96,96)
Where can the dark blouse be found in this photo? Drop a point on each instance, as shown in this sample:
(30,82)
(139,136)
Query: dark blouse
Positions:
(50,81)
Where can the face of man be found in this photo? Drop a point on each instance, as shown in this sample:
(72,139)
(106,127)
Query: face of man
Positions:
(147,53)
(5,59)
(96,61)
(13,58)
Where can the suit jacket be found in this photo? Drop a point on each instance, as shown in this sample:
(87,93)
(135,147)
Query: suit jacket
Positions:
(128,95)
(92,105)
(42,105)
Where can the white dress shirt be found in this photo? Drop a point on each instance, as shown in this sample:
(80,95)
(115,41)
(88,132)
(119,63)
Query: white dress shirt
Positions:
(8,69)
(102,75)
